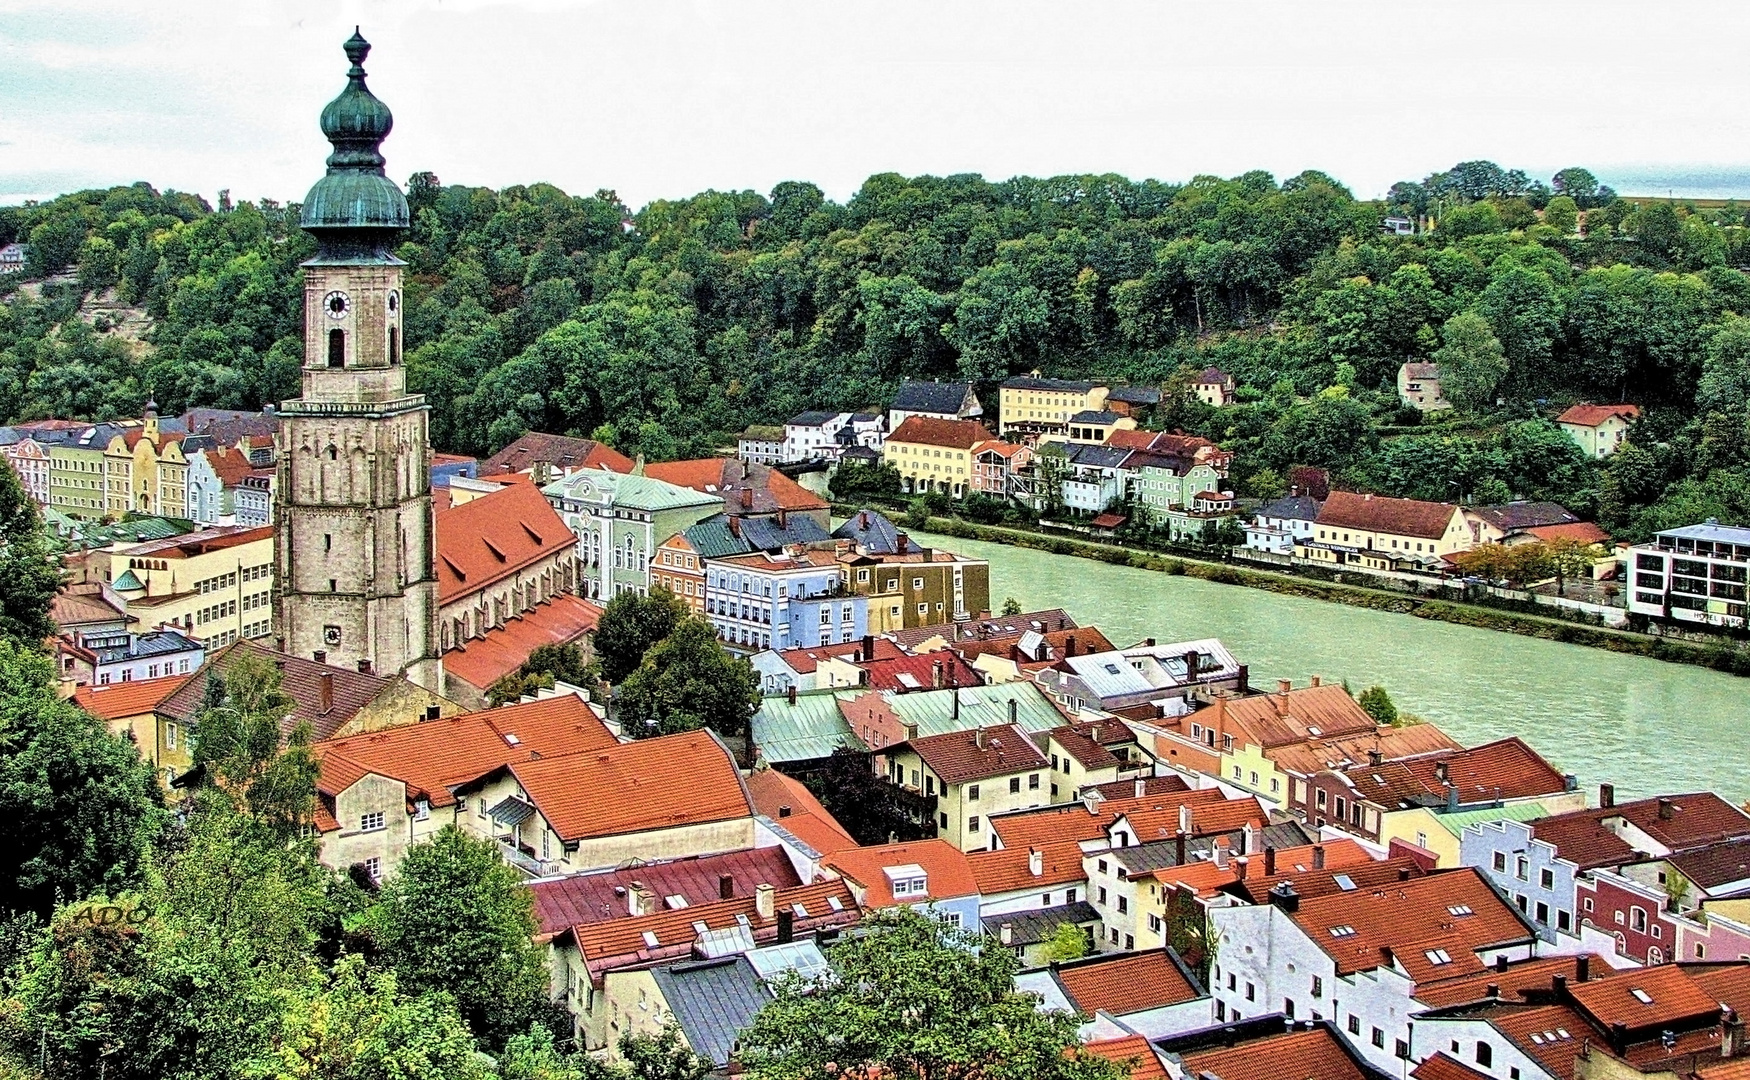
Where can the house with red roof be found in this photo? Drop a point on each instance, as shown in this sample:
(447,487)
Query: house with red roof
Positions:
(820,667)
(548,457)
(745,489)
(786,805)
(973,774)
(1374,532)
(1362,955)
(130,709)
(930,875)
(1598,429)
(1262,1049)
(1151,993)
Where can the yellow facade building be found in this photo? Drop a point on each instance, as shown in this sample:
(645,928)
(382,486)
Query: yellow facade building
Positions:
(145,471)
(932,454)
(215,585)
(1033,405)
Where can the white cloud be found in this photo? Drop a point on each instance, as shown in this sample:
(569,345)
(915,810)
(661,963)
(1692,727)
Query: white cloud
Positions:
(662,98)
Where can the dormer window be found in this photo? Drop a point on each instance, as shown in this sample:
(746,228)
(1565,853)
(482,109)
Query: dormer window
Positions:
(908,881)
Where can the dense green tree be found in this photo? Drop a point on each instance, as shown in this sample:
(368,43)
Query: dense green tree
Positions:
(455,915)
(1471,361)
(30,566)
(688,681)
(243,752)
(1375,702)
(630,624)
(1562,214)
(915,996)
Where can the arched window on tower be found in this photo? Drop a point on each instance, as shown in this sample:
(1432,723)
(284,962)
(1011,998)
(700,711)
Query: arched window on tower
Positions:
(394,346)
(337,348)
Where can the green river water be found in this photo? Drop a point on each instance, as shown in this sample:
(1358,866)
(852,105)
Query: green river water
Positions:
(1645,725)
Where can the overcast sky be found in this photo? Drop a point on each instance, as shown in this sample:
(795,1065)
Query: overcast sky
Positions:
(664,98)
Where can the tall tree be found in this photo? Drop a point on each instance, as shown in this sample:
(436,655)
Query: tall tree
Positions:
(30,565)
(630,624)
(243,748)
(455,915)
(913,996)
(686,682)
(1472,362)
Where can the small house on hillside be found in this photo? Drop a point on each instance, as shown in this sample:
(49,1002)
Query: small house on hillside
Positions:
(1598,429)
(1214,387)
(1419,387)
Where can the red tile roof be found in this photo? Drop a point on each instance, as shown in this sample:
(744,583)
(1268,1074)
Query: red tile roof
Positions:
(1674,999)
(1392,743)
(934,431)
(1532,975)
(1587,415)
(577,899)
(134,698)
(1377,513)
(1075,822)
(1411,919)
(563,452)
(1152,824)
(1079,744)
(1009,869)
(1274,720)
(662,783)
(1151,786)
(786,801)
(804,661)
(1583,531)
(560,620)
(607,946)
(1583,837)
(904,673)
(436,755)
(1505,769)
(229,465)
(1125,982)
(78,604)
(1316,1054)
(767,489)
(494,536)
(957,757)
(1295,865)
(1441,1067)
(348,691)
(1133,1053)
(949,873)
(1087,639)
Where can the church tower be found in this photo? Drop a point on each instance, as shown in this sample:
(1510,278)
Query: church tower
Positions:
(356,586)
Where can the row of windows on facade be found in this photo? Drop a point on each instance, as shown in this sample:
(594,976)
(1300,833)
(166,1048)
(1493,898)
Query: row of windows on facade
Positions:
(1394,542)
(153,671)
(762,613)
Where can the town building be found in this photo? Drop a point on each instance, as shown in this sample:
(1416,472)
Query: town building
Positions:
(972,774)
(1094,477)
(145,470)
(746,490)
(1214,387)
(761,444)
(1150,676)
(1523,521)
(1374,532)
(785,600)
(30,460)
(1178,494)
(931,876)
(131,709)
(680,569)
(214,477)
(12,258)
(1694,574)
(102,657)
(1419,387)
(499,557)
(996,464)
(1032,405)
(1096,426)
(870,533)
(1175,445)
(812,436)
(1280,524)
(935,400)
(355,582)
(934,455)
(619,520)
(215,585)
(1599,430)
(77,484)
(546,457)
(916,587)
(1153,994)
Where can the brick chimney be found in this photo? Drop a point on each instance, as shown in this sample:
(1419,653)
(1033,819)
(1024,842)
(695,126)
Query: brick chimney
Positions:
(863,520)
(324,691)
(1269,862)
(725,886)
(1069,645)
(747,498)
(1606,795)
(789,691)
(765,901)
(1667,809)
(786,926)
(1318,680)
(936,679)
(1731,1033)
(1318,856)
(735,527)
(901,543)
(1241,865)
(1284,685)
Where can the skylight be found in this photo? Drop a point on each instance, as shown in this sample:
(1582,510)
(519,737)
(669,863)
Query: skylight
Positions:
(1460,909)
(512,739)
(1344,882)
(1342,931)
(835,903)
(1438,956)
(1641,995)
(650,938)
(674,900)
(801,912)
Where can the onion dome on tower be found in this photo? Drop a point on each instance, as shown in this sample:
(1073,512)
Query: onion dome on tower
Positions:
(356,210)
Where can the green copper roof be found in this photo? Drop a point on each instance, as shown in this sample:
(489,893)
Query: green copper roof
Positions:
(127,581)
(355,194)
(633,492)
(812,728)
(1457,823)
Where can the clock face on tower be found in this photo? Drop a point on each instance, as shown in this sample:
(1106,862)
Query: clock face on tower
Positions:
(337,304)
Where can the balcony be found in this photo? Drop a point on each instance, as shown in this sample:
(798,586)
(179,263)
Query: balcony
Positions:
(526,862)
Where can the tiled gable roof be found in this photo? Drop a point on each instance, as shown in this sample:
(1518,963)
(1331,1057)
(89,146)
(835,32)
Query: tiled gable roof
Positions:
(1133,1054)
(1412,919)
(1442,1067)
(1306,758)
(577,899)
(805,660)
(1584,838)
(1515,516)
(872,531)
(563,452)
(230,466)
(1075,821)
(1505,769)
(1525,975)
(1592,415)
(794,809)
(348,691)
(1078,743)
(1275,720)
(133,698)
(1151,824)
(935,431)
(559,620)
(434,756)
(1036,382)
(906,673)
(1291,508)
(1348,866)
(495,536)
(660,783)
(1126,983)
(1009,869)
(1140,787)
(745,488)
(948,872)
(1316,1054)
(1715,865)
(78,604)
(958,757)
(1378,513)
(1672,997)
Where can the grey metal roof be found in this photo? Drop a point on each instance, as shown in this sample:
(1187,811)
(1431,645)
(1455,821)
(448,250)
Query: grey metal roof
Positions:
(1512,516)
(1291,508)
(713,1001)
(1104,457)
(988,706)
(931,397)
(1033,927)
(1093,416)
(1034,382)
(812,418)
(712,538)
(1135,395)
(879,537)
(1115,674)
(1712,531)
(151,643)
(510,811)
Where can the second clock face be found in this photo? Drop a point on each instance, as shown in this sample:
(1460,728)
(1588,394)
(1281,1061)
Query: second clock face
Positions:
(337,304)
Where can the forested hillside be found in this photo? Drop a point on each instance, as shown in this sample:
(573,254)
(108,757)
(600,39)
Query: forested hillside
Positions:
(666,330)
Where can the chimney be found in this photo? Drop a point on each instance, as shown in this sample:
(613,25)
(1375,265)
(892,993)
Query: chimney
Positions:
(1006,933)
(747,498)
(1179,848)
(1558,984)
(1185,817)
(1582,968)
(1014,710)
(1501,964)
(863,520)
(1386,954)
(1248,840)
(936,675)
(783,519)
(1440,771)
(1269,862)
(784,811)
(325,691)
(1221,853)
(1241,864)
(1284,897)
(956,709)
(735,527)
(1666,809)
(1375,758)
(1283,686)
(1318,680)
(901,543)
(765,901)
(1190,666)
(1245,679)
(725,886)
(1731,1033)
(1014,652)
(1035,862)
(789,691)
(1318,856)
(364,666)
(1150,642)
(1403,873)
(1492,991)
(1619,1037)
(1607,795)
(1069,645)
(978,733)
(786,926)
(911,731)
(1141,787)
(639,900)
(868,647)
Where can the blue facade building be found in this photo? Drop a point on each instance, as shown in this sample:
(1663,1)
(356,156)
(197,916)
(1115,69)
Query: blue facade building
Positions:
(782,601)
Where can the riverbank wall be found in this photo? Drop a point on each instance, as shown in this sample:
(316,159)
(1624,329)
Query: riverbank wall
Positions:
(1720,656)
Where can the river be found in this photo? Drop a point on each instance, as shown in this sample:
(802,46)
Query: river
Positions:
(1647,726)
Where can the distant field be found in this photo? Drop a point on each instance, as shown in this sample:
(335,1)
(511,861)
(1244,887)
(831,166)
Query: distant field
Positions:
(1684,200)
